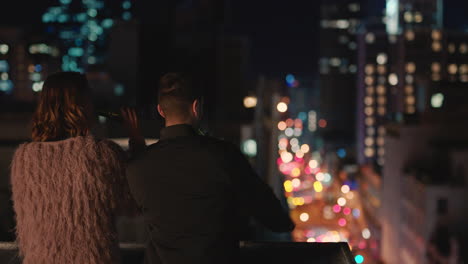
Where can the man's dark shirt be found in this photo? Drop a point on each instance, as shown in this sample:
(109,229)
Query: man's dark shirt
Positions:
(195,191)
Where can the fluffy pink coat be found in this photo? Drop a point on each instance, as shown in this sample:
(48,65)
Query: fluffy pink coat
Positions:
(65,196)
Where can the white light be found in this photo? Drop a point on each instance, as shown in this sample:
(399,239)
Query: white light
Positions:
(37,86)
(326,177)
(366,233)
(282,107)
(341,201)
(342,23)
(4,48)
(393,79)
(304,217)
(294,142)
(296,183)
(313,164)
(286,157)
(250,147)
(250,102)
(392,16)
(382,58)
(311,240)
(289,132)
(305,148)
(345,189)
(437,100)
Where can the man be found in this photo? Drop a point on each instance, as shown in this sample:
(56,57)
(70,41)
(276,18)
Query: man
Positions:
(195,191)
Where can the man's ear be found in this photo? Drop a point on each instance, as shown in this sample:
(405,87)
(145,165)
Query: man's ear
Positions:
(161,112)
(195,108)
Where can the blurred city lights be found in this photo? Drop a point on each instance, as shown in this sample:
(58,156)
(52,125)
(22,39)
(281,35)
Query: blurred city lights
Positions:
(282,107)
(282,125)
(359,259)
(296,183)
(288,187)
(336,208)
(250,101)
(366,233)
(345,189)
(249,147)
(437,100)
(347,211)
(342,222)
(341,201)
(305,148)
(286,157)
(318,186)
(304,217)
(296,172)
(322,123)
(313,164)
(319,176)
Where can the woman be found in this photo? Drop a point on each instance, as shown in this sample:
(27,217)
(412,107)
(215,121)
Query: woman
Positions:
(67,185)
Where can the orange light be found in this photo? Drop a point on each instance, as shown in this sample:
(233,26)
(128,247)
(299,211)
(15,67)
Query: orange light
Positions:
(282,125)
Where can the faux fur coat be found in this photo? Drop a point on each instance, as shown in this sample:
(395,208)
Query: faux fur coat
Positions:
(66,194)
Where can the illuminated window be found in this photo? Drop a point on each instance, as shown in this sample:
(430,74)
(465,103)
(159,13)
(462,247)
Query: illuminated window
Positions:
(382,130)
(409,89)
(380,141)
(369,152)
(451,48)
(381,100)
(370,38)
(409,35)
(409,78)
(369,141)
(393,79)
(463,48)
(381,69)
(369,80)
(4,48)
(370,90)
(335,62)
(368,101)
(435,67)
(408,16)
(381,89)
(452,69)
(436,46)
(410,100)
(436,35)
(382,58)
(418,17)
(369,121)
(436,77)
(463,69)
(464,78)
(369,69)
(410,67)
(410,109)
(354,7)
(437,100)
(370,131)
(381,110)
(369,111)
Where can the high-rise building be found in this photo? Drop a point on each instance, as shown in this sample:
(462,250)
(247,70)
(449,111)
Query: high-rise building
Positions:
(339,24)
(403,74)
(81,28)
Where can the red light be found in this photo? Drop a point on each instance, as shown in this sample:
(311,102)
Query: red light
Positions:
(323,123)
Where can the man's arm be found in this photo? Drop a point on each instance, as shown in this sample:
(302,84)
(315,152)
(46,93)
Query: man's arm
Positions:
(256,196)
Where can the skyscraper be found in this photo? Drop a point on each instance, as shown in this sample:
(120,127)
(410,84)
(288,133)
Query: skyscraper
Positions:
(339,24)
(81,28)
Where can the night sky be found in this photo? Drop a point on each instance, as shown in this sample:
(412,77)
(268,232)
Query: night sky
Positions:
(283,34)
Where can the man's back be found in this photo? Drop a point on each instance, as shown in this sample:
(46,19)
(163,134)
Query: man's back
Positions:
(195,191)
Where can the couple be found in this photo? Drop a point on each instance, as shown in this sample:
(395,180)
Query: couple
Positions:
(193,191)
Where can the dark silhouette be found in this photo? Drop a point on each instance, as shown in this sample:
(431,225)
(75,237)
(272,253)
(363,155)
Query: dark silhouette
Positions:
(195,190)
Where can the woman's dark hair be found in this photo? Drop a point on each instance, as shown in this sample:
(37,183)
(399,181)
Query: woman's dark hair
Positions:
(62,109)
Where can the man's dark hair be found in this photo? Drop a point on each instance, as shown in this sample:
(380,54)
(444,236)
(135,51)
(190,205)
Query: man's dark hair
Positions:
(176,94)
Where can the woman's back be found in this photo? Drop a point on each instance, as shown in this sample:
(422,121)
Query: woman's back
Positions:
(65,194)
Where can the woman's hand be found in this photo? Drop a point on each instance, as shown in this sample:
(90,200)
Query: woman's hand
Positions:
(130,120)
